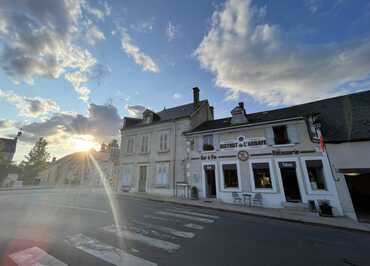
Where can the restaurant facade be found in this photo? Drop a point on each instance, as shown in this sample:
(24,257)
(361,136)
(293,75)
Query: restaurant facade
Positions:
(266,159)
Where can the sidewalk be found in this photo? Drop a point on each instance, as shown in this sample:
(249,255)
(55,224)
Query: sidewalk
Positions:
(282,214)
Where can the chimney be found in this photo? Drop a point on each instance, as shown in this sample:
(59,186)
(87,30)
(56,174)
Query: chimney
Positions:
(196,97)
(212,110)
(238,114)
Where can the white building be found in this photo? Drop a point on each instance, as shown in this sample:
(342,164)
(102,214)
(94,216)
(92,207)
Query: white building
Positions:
(153,148)
(273,158)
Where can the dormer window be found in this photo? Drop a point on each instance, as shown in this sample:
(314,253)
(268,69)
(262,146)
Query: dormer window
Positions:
(147,120)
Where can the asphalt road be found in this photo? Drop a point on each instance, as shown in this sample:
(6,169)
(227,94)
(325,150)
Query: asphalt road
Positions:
(80,228)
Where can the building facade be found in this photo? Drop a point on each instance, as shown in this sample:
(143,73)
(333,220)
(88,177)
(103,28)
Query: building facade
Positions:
(152,148)
(273,157)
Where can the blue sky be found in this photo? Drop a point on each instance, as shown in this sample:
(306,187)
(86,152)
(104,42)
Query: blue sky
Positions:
(70,68)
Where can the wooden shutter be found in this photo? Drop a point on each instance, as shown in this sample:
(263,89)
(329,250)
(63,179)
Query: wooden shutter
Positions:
(293,133)
(269,135)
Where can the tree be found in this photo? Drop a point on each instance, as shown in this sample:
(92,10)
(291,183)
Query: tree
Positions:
(36,161)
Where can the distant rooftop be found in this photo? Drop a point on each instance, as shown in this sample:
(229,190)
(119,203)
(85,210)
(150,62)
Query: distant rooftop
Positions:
(165,115)
(8,145)
(343,118)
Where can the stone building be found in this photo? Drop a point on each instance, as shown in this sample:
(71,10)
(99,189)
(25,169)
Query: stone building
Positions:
(152,148)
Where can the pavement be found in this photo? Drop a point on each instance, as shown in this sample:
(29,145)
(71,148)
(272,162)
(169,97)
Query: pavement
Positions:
(81,227)
(295,215)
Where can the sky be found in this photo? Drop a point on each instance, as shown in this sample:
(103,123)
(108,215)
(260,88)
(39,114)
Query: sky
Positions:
(71,69)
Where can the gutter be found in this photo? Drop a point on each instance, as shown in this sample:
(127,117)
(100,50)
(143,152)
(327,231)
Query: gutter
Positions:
(174,160)
(189,133)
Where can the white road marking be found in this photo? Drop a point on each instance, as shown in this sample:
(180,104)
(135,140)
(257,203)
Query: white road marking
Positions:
(105,252)
(195,213)
(166,229)
(194,226)
(35,256)
(154,242)
(178,215)
(74,207)
(160,218)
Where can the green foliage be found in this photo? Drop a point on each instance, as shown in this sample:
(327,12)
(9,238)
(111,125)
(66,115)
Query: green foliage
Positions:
(36,161)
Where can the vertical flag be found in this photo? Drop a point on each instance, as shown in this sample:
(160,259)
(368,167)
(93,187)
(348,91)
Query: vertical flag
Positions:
(322,143)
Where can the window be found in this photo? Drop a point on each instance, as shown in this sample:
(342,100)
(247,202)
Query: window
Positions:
(280,135)
(164,141)
(126,175)
(144,144)
(130,144)
(162,174)
(316,175)
(208,143)
(262,176)
(230,174)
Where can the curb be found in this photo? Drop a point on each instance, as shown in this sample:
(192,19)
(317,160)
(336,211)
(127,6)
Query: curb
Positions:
(362,230)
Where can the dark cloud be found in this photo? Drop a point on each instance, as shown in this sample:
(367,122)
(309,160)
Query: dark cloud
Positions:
(103,122)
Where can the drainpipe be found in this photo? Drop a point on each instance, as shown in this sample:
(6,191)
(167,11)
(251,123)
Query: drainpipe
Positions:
(174,160)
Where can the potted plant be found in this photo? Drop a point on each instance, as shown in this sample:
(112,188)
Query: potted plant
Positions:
(207,147)
(325,209)
(194,192)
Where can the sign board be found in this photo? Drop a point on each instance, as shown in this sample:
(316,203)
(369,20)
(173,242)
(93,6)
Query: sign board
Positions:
(243,142)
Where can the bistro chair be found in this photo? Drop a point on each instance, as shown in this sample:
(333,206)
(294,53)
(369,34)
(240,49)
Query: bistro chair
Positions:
(236,197)
(258,199)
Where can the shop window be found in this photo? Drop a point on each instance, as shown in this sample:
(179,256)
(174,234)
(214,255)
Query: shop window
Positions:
(162,174)
(230,174)
(316,175)
(262,176)
(280,135)
(126,175)
(208,143)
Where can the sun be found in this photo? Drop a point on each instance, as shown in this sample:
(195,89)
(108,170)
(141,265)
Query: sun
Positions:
(84,143)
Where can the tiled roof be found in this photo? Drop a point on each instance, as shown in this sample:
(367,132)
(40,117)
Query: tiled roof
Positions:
(8,145)
(343,118)
(177,112)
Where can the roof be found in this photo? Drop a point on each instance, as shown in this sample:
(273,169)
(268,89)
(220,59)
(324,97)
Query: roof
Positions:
(165,115)
(8,145)
(343,118)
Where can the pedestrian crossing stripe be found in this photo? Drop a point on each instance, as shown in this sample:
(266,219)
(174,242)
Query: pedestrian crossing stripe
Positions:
(154,242)
(184,216)
(166,229)
(194,226)
(194,213)
(35,256)
(106,252)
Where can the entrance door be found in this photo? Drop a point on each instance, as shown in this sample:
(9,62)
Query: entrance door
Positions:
(210,180)
(290,181)
(142,178)
(359,188)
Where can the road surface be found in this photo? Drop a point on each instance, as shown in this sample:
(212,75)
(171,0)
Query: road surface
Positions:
(87,228)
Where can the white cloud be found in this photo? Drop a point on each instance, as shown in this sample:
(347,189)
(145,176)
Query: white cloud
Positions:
(77,78)
(256,58)
(139,57)
(37,38)
(99,13)
(171,32)
(135,110)
(94,35)
(177,96)
(30,107)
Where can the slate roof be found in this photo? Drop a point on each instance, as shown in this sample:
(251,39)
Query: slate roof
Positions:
(165,115)
(8,145)
(343,118)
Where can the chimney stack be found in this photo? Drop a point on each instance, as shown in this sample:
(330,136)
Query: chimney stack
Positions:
(239,115)
(212,110)
(196,97)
